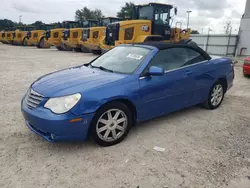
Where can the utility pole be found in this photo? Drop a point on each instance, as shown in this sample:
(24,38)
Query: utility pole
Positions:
(209,29)
(228,27)
(188,12)
(20,19)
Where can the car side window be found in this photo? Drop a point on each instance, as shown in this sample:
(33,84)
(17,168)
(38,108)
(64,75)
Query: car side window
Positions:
(175,58)
(170,59)
(194,57)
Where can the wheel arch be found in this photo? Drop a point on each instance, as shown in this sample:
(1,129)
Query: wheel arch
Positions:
(41,38)
(223,80)
(126,102)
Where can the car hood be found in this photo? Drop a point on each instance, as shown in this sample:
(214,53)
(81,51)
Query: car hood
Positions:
(73,80)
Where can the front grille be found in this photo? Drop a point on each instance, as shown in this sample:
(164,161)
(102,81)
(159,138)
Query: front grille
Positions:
(33,99)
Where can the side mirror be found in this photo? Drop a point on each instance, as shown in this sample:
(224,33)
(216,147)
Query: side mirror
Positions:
(156,71)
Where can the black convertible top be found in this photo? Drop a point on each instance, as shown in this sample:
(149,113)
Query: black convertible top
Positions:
(187,44)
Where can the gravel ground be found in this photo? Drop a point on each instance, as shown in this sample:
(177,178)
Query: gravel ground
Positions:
(207,149)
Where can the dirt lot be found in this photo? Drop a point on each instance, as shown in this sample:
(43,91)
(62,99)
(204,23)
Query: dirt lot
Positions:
(207,149)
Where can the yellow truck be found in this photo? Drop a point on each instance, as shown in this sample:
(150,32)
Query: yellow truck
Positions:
(38,37)
(55,36)
(73,36)
(151,22)
(2,35)
(91,37)
(7,35)
(20,35)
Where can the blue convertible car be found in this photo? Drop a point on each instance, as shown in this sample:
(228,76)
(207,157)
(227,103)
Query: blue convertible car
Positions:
(127,85)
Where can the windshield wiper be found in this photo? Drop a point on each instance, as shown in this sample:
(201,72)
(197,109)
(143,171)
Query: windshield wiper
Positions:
(102,68)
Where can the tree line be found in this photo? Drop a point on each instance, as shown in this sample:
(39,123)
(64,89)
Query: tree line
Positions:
(81,15)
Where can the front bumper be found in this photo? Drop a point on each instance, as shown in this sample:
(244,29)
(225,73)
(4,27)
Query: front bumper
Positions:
(17,42)
(54,42)
(70,44)
(6,41)
(246,69)
(31,42)
(54,127)
(91,47)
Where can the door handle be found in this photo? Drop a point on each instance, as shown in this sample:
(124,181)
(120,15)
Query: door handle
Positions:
(188,73)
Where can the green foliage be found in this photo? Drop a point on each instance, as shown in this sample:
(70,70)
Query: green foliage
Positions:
(86,13)
(195,32)
(6,24)
(38,24)
(126,11)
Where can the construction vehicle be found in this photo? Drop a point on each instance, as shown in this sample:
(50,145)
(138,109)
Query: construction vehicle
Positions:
(73,36)
(54,36)
(2,35)
(151,22)
(91,37)
(20,35)
(7,35)
(38,37)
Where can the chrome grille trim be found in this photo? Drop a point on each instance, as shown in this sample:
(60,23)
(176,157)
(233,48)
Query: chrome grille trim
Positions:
(33,99)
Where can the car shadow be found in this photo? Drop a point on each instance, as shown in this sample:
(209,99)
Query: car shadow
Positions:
(146,126)
(168,117)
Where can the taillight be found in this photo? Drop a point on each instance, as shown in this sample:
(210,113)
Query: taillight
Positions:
(233,70)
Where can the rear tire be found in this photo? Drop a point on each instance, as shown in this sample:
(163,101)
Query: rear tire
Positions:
(77,50)
(59,48)
(97,52)
(85,50)
(246,75)
(111,124)
(216,96)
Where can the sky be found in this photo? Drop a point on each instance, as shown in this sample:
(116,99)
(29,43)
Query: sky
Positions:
(205,14)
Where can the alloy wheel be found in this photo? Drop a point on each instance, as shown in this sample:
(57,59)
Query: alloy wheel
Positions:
(217,95)
(112,125)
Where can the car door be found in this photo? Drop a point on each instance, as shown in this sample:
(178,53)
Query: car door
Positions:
(200,70)
(169,92)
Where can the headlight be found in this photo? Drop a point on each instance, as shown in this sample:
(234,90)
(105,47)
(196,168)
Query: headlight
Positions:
(61,105)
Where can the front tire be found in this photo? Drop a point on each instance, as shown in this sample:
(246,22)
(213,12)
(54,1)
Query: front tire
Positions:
(111,124)
(43,44)
(66,47)
(216,96)
(25,43)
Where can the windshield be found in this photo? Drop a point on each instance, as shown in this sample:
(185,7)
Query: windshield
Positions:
(146,13)
(122,59)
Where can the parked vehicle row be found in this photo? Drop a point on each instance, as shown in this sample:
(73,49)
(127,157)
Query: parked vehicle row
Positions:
(150,22)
